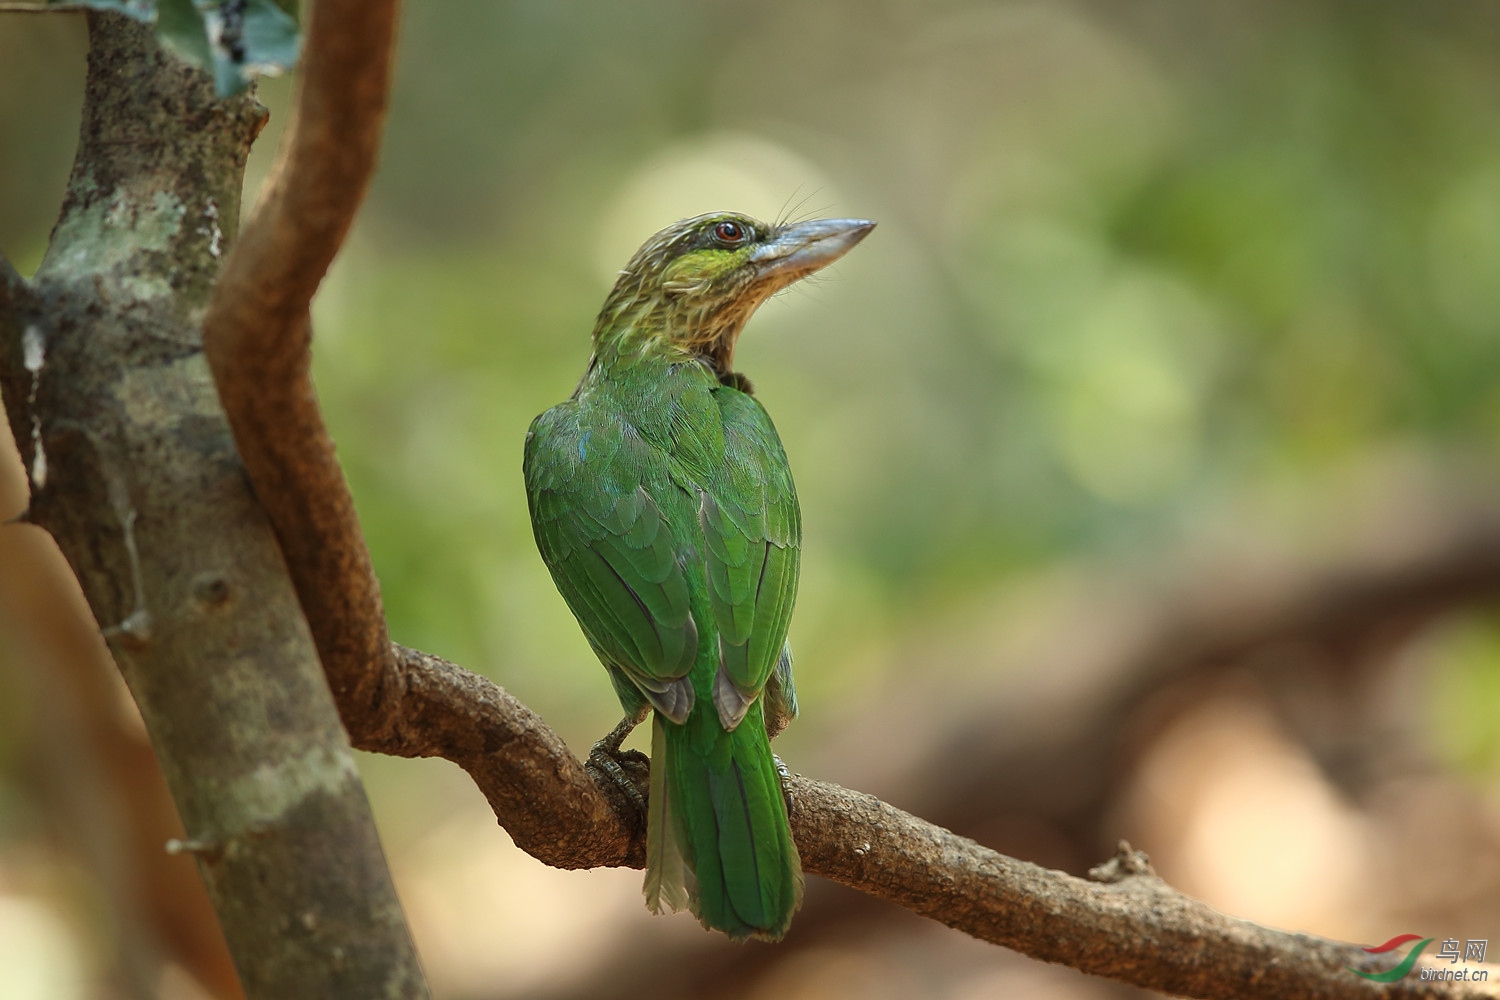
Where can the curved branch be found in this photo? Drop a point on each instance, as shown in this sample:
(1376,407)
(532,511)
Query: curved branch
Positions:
(256,336)
(319,180)
(1123,923)
(540,792)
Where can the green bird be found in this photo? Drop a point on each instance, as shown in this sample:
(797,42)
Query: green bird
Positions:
(663,504)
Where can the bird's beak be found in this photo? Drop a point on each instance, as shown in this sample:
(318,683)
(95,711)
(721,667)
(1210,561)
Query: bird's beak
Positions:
(798,250)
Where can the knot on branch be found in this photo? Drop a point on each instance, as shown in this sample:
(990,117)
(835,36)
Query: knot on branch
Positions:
(1127,863)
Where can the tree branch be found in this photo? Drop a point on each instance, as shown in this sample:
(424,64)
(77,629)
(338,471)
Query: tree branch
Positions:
(1072,720)
(256,335)
(542,795)
(1125,923)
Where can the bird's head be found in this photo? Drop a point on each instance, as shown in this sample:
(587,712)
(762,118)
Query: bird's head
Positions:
(693,285)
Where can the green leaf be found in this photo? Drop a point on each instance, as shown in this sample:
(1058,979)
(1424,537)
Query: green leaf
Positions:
(272,38)
(235,40)
(180,25)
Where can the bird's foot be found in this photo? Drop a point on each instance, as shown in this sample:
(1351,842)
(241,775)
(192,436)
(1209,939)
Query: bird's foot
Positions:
(785,775)
(607,757)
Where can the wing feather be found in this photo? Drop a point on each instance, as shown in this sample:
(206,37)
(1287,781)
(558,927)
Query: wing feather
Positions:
(752,534)
(614,555)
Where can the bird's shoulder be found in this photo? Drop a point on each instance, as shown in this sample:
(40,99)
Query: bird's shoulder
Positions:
(584,447)
(667,405)
(679,424)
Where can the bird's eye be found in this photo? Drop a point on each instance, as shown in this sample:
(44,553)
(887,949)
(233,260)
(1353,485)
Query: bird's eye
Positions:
(729,232)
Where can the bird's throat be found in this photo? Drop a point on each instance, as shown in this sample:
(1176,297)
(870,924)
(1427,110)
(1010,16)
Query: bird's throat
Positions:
(678,329)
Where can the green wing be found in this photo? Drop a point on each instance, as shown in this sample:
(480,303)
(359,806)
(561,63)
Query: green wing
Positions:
(752,528)
(594,487)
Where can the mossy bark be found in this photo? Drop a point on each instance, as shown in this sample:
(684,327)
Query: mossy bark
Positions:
(134,473)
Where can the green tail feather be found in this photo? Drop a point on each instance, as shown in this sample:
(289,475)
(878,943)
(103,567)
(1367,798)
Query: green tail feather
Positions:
(717,829)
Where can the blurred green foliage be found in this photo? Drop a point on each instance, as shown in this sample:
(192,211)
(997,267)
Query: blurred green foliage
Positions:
(1133,259)
(1463,693)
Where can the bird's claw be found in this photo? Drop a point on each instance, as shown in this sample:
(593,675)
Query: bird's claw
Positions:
(601,759)
(786,782)
(606,756)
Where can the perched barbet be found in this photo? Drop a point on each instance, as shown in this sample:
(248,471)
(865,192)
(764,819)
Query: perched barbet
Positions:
(663,504)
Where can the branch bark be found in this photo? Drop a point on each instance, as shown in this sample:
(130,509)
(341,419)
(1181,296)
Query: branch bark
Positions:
(133,472)
(1131,927)
(256,336)
(1125,924)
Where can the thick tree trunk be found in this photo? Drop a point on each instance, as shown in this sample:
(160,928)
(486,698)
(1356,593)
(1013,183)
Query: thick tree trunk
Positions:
(134,473)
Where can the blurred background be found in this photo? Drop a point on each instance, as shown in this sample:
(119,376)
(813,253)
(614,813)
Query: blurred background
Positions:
(1147,454)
